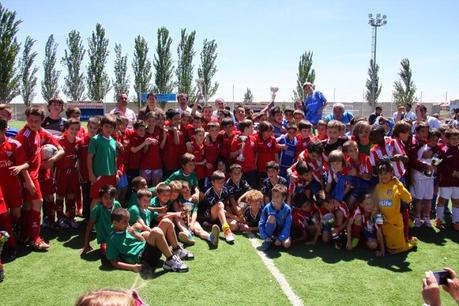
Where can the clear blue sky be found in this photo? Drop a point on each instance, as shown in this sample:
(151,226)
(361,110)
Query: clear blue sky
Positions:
(260,42)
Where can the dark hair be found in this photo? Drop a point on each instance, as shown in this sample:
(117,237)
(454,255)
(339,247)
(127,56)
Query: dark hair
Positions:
(144,193)
(135,183)
(299,199)
(304,124)
(272,165)
(217,175)
(264,126)
(385,166)
(162,187)
(275,110)
(3,125)
(199,130)
(171,113)
(108,119)
(72,110)
(227,121)
(246,123)
(401,127)
(186,158)
(139,124)
(120,214)
(107,190)
(315,147)
(434,132)
(234,167)
(421,125)
(70,122)
(35,111)
(302,168)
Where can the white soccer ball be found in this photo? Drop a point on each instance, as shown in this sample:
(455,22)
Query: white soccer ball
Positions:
(48,151)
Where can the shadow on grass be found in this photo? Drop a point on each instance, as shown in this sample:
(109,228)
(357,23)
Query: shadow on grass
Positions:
(327,252)
(146,273)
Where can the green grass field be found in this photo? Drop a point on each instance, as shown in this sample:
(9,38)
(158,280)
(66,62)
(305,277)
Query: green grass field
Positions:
(234,274)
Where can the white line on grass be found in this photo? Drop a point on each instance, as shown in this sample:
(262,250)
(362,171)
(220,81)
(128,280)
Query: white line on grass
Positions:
(280,278)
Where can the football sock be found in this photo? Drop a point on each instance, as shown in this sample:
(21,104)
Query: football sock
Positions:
(455,218)
(60,208)
(440,212)
(225,227)
(270,228)
(34,219)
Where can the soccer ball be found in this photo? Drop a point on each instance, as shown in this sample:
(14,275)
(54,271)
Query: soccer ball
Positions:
(48,151)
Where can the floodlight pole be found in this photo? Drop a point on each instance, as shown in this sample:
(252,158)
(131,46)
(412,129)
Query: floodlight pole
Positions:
(375,23)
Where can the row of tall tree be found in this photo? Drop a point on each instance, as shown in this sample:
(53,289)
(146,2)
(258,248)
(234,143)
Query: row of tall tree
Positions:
(19,76)
(404,91)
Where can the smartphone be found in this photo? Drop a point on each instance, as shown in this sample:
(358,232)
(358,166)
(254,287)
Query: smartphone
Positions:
(442,277)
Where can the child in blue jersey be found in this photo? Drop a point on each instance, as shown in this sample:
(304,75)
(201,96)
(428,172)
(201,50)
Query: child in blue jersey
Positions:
(276,220)
(288,143)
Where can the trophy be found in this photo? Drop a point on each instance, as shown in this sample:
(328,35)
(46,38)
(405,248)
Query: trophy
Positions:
(201,87)
(273,92)
(241,155)
(188,208)
(378,219)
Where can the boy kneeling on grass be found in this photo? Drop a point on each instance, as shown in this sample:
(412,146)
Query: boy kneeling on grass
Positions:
(125,247)
(276,220)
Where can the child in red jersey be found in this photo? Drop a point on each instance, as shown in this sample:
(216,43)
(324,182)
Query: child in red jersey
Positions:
(175,145)
(321,130)
(75,113)
(197,148)
(67,175)
(93,127)
(212,145)
(197,123)
(267,149)
(365,223)
(13,162)
(243,152)
(151,165)
(137,143)
(303,137)
(32,137)
(448,178)
(305,220)
(333,218)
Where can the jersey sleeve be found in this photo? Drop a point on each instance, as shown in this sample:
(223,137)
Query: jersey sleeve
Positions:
(112,250)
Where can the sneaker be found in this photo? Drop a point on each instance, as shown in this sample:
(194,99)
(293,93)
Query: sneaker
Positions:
(439,224)
(183,254)
(427,223)
(229,237)
(62,224)
(417,222)
(49,224)
(39,244)
(186,238)
(214,235)
(266,245)
(175,264)
(73,224)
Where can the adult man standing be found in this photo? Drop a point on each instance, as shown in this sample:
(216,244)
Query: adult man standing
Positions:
(399,114)
(182,103)
(122,109)
(314,103)
(375,114)
(340,114)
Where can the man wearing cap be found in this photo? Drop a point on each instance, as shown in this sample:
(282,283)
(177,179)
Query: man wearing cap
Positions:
(314,103)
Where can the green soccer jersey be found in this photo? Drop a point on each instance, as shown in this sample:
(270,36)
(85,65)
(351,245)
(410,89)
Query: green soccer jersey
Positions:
(102,218)
(178,175)
(124,247)
(136,213)
(104,155)
(195,208)
(133,198)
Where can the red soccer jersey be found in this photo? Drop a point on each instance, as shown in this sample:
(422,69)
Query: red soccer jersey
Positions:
(249,153)
(226,145)
(32,142)
(199,156)
(135,157)
(72,150)
(450,163)
(83,157)
(212,153)
(152,157)
(267,150)
(390,148)
(173,152)
(11,154)
(81,133)
(302,144)
(362,166)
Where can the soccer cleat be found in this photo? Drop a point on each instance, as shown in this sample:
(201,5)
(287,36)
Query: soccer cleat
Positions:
(439,224)
(62,224)
(175,264)
(73,224)
(215,235)
(39,244)
(427,223)
(265,245)
(229,237)
(183,254)
(186,238)
(417,222)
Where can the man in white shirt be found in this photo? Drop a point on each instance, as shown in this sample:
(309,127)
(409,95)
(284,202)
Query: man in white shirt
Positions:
(182,103)
(122,109)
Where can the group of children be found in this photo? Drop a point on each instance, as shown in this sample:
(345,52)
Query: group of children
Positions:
(178,175)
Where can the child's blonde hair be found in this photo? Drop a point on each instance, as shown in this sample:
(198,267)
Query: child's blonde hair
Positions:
(110,297)
(252,196)
(335,124)
(176,186)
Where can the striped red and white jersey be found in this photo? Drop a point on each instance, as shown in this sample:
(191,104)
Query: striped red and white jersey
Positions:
(389,150)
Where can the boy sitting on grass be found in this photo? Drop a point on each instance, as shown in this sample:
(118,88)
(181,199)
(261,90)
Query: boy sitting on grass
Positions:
(125,248)
(276,220)
(101,219)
